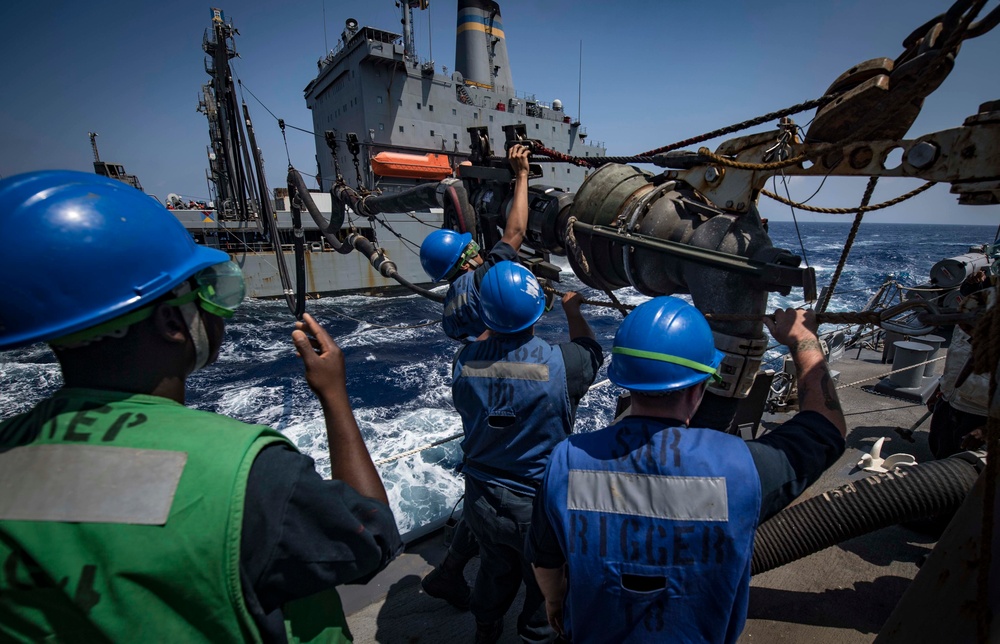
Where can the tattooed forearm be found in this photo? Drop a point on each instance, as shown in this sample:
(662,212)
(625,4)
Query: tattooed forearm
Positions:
(811,344)
(829,392)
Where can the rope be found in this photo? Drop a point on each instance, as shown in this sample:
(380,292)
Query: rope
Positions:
(848,211)
(575,246)
(841,317)
(736,127)
(774,165)
(559,156)
(890,373)
(418,450)
(384,326)
(872,182)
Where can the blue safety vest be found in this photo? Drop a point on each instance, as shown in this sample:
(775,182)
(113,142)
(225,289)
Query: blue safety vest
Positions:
(512,395)
(657,525)
(461,319)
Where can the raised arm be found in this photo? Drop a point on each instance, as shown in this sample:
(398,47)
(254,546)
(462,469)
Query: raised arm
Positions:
(796,329)
(517,219)
(324,362)
(578,325)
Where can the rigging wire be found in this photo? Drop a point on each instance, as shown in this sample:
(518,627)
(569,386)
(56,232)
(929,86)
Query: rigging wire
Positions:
(795,219)
(385,326)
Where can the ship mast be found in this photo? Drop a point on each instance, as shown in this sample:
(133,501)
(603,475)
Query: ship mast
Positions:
(93,144)
(409,43)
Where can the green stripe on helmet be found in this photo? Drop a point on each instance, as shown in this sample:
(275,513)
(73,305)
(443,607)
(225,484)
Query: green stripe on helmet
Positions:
(664,357)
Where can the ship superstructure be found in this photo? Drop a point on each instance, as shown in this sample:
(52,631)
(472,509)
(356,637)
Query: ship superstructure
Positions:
(373,84)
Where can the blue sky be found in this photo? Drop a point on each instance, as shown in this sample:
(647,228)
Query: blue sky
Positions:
(653,72)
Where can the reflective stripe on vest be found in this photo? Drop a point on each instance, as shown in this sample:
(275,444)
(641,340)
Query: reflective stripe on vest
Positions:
(512,395)
(659,521)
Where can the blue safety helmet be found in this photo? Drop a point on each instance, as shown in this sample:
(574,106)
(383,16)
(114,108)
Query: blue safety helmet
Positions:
(80,249)
(510,298)
(663,345)
(443,251)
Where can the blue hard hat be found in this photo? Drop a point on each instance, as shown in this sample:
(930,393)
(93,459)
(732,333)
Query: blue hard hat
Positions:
(510,298)
(81,249)
(663,345)
(441,251)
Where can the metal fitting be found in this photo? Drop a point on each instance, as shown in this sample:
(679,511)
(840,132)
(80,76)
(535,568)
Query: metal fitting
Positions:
(712,174)
(922,155)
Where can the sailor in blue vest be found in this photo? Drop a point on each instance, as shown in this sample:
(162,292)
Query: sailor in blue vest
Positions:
(643,531)
(517,396)
(455,257)
(452,256)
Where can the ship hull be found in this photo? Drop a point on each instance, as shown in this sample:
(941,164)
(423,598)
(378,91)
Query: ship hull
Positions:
(327,271)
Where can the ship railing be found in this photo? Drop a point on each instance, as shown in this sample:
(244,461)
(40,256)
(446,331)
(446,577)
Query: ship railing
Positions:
(370,34)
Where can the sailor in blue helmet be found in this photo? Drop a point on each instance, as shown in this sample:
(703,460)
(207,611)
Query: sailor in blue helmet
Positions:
(643,531)
(126,516)
(517,396)
(455,257)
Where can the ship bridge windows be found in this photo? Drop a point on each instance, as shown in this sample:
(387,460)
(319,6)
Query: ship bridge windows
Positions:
(400,128)
(381,127)
(419,106)
(491,118)
(432,132)
(430,107)
(378,99)
(454,112)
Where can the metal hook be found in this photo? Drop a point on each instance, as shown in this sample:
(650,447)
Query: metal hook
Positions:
(885,318)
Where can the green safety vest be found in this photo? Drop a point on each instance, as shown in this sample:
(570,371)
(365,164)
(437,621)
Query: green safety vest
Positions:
(120,521)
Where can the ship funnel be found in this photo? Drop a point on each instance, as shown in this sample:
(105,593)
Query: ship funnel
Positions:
(480,47)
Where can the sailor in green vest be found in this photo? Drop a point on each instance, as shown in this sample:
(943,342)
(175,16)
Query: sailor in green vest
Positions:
(124,515)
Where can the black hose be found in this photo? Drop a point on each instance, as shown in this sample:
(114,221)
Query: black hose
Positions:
(329,229)
(419,290)
(458,209)
(418,198)
(908,493)
(449,194)
(386,266)
(298,238)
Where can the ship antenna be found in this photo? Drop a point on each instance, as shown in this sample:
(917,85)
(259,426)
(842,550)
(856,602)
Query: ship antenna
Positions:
(579,87)
(326,43)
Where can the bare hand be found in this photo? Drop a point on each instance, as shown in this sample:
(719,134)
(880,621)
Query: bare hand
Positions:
(794,328)
(554,612)
(571,302)
(518,158)
(323,359)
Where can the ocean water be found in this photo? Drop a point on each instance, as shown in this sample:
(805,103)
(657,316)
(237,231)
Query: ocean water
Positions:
(399,378)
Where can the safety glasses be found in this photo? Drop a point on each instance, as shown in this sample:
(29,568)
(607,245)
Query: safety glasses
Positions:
(219,289)
(470,251)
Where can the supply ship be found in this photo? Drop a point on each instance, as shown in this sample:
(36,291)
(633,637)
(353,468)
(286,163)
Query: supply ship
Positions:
(384,119)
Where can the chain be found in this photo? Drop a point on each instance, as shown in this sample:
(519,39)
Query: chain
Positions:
(357,173)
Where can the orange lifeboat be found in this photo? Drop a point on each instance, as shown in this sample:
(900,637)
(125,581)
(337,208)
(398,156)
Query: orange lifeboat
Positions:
(411,166)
